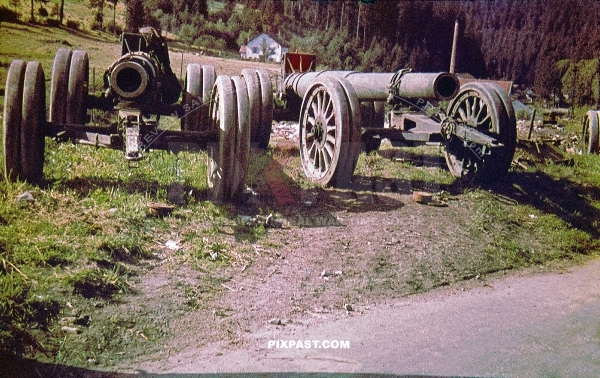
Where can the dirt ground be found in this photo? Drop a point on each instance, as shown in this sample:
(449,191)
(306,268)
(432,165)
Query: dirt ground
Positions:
(332,254)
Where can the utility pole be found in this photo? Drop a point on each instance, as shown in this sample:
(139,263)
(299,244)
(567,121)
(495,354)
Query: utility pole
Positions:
(454,43)
(358,19)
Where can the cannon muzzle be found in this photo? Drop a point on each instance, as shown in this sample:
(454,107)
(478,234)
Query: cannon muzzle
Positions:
(132,77)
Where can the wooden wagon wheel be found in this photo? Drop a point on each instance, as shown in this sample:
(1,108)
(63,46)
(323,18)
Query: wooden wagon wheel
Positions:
(13,112)
(480,105)
(590,132)
(77,89)
(59,83)
(325,132)
(33,123)
(223,114)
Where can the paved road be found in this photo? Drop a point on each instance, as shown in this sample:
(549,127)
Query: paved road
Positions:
(545,325)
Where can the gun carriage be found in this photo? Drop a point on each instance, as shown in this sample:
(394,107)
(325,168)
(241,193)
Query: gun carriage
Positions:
(220,113)
(342,112)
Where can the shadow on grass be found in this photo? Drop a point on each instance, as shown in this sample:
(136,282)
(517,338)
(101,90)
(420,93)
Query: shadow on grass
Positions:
(84,186)
(569,201)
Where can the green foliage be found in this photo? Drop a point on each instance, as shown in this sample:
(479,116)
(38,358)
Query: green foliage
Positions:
(135,15)
(580,80)
(8,15)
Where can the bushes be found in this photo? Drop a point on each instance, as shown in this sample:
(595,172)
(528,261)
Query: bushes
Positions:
(72,24)
(8,15)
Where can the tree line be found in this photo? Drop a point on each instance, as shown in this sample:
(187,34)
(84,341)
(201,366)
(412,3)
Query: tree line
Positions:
(550,45)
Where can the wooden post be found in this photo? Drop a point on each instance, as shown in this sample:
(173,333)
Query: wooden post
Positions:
(531,121)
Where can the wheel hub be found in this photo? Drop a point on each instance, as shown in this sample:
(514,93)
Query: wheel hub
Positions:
(319,133)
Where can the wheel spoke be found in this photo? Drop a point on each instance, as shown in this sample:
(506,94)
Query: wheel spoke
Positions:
(329,148)
(463,116)
(330,139)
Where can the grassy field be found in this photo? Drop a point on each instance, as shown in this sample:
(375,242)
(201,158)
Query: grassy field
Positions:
(88,228)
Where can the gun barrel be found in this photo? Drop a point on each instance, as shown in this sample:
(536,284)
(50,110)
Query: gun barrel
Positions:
(376,86)
(132,76)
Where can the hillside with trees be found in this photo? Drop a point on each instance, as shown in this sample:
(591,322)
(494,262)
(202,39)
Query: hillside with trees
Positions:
(552,46)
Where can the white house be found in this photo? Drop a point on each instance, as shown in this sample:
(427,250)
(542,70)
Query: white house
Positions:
(263,45)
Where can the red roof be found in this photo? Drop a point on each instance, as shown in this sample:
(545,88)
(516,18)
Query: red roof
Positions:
(243,49)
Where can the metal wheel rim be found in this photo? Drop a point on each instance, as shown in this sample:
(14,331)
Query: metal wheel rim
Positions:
(254,103)
(208,81)
(59,82)
(32,126)
(242,137)
(590,132)
(77,88)
(266,109)
(191,95)
(351,143)
(323,115)
(220,155)
(12,117)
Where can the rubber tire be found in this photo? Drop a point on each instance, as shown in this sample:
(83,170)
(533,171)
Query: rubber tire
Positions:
(590,132)
(331,91)
(221,154)
(77,88)
(242,138)
(13,113)
(59,83)
(33,124)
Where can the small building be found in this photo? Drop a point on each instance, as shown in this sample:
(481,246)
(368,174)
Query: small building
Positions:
(263,47)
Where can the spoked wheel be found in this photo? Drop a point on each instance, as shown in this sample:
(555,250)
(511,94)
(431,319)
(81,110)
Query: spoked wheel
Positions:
(242,137)
(260,96)
(590,132)
(33,123)
(199,81)
(481,106)
(221,154)
(372,115)
(13,112)
(325,133)
(59,84)
(77,88)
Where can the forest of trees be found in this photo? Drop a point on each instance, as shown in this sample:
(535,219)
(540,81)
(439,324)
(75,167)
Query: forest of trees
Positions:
(550,45)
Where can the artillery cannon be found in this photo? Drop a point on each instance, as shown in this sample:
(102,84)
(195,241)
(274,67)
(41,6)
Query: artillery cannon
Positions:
(221,113)
(341,112)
